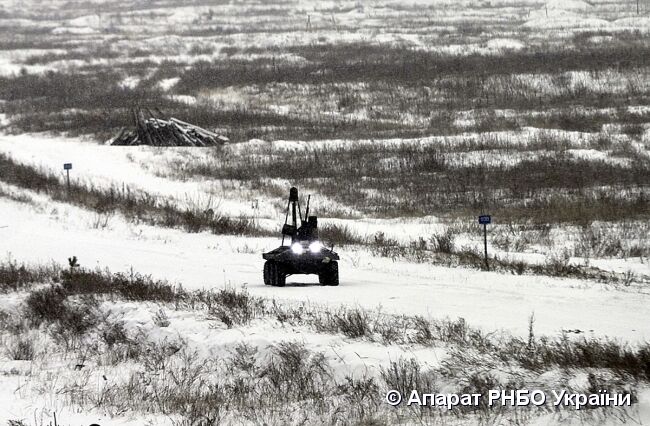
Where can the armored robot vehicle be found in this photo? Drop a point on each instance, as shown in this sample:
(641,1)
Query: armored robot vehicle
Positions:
(305,254)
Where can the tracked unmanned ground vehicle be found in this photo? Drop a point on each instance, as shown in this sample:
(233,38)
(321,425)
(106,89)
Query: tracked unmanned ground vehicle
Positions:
(305,255)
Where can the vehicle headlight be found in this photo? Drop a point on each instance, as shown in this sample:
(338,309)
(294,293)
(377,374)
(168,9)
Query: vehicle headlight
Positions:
(315,247)
(296,248)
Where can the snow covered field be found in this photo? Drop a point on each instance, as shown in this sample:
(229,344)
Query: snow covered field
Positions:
(403,121)
(39,230)
(488,300)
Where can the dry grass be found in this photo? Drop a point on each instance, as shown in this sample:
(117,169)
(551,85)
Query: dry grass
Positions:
(412,179)
(136,206)
(289,377)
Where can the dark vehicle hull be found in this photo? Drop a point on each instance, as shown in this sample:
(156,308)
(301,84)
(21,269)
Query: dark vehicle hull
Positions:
(305,263)
(282,262)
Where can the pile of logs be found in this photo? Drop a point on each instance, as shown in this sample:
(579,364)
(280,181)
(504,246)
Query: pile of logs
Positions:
(160,132)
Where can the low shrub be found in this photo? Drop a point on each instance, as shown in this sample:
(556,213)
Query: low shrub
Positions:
(78,318)
(406,375)
(20,348)
(161,319)
(14,276)
(294,373)
(338,234)
(233,307)
(46,305)
(443,242)
(352,322)
(132,286)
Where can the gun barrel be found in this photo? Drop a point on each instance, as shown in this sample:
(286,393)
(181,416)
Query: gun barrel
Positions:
(307,209)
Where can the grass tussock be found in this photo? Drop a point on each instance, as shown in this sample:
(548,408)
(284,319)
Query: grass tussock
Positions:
(20,348)
(353,323)
(540,354)
(232,307)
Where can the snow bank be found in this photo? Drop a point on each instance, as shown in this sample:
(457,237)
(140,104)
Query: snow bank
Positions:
(74,30)
(505,44)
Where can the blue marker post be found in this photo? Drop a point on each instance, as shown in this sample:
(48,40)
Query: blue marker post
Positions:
(67,167)
(484,220)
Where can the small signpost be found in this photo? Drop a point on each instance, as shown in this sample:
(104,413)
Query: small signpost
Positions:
(67,167)
(485,220)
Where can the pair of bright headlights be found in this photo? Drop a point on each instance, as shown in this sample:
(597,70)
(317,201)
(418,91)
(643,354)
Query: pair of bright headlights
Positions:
(314,247)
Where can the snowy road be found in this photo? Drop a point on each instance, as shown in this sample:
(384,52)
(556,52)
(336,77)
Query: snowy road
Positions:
(490,300)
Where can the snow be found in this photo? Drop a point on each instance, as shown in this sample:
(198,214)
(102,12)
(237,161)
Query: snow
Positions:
(636,266)
(588,154)
(168,83)
(488,300)
(565,21)
(86,21)
(403,230)
(40,230)
(130,82)
(576,5)
(571,14)
(74,30)
(505,44)
(10,65)
(635,22)
(186,99)
(211,338)
(145,168)
(108,166)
